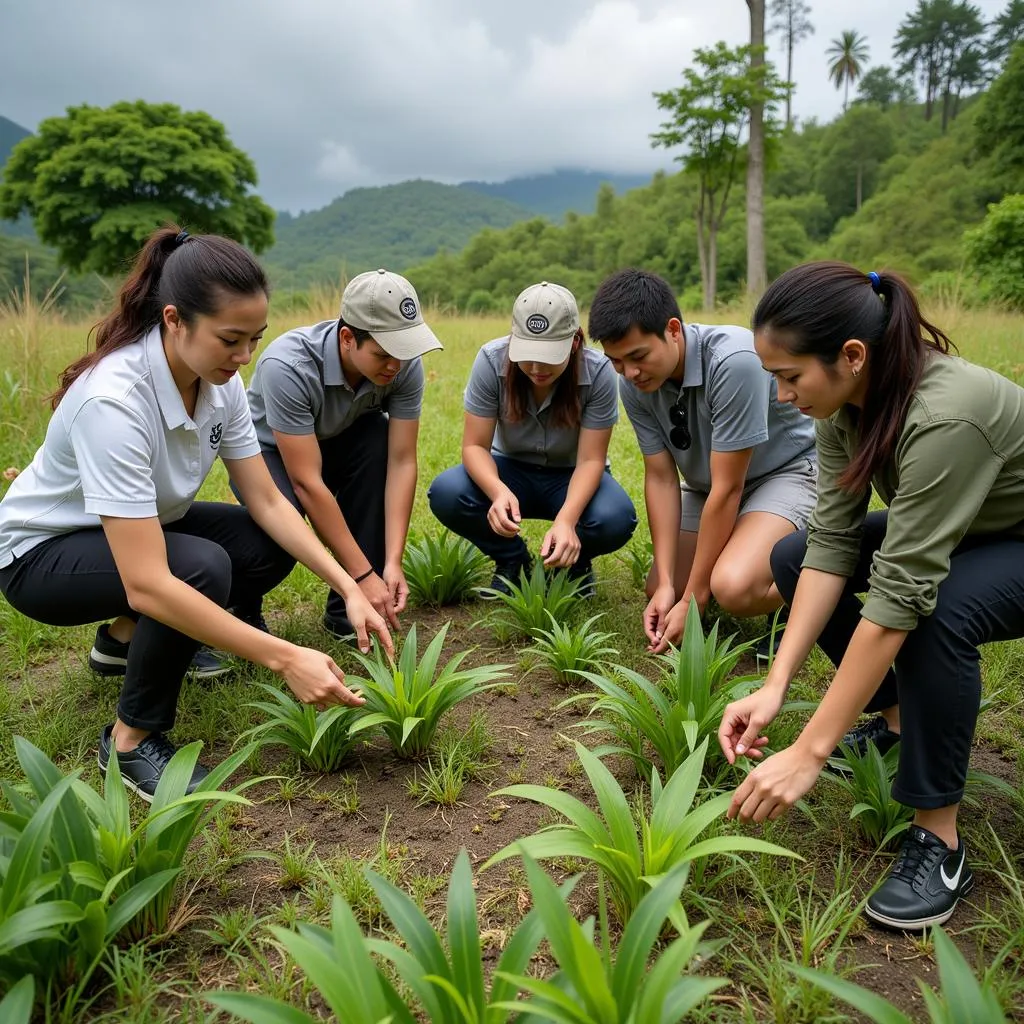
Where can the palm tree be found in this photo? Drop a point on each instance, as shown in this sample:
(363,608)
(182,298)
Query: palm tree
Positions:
(849,54)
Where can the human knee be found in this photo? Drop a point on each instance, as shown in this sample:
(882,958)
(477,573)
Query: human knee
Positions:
(609,520)
(785,560)
(449,493)
(203,564)
(736,590)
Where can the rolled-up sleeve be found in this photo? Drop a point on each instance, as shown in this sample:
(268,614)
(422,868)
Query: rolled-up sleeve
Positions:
(289,409)
(837,523)
(946,471)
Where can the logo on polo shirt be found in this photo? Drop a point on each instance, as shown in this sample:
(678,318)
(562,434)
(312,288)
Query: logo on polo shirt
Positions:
(537,324)
(215,435)
(407,308)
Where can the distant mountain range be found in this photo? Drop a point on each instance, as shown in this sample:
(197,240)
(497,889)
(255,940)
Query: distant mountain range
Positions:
(398,225)
(555,194)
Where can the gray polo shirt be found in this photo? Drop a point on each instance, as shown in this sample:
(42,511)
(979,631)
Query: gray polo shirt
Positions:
(533,439)
(299,387)
(732,403)
(121,444)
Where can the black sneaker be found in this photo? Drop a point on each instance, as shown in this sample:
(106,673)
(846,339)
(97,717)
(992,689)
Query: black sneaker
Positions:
(507,571)
(143,767)
(875,731)
(925,884)
(583,573)
(768,646)
(251,618)
(109,657)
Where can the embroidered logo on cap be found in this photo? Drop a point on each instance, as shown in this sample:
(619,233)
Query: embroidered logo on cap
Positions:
(215,435)
(537,324)
(407,308)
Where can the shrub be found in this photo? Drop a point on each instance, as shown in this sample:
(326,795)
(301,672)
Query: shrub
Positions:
(443,570)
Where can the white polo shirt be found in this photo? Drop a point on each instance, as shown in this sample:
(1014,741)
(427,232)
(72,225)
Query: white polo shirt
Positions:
(121,444)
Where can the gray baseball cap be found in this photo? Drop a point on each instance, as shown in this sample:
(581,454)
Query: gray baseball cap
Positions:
(387,306)
(544,322)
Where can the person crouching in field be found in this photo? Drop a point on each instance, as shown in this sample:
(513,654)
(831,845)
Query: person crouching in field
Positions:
(703,407)
(104,521)
(540,407)
(337,412)
(940,440)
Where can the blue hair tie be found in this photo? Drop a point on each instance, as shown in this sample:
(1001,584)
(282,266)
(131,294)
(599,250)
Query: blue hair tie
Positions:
(181,237)
(876,282)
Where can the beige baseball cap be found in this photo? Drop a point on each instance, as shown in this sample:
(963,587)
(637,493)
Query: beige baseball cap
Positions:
(544,322)
(387,306)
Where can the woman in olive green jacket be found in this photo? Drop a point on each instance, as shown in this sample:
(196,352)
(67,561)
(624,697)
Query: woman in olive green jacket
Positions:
(941,442)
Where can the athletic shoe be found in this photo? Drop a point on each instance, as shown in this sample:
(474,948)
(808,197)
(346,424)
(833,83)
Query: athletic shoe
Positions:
(505,573)
(143,767)
(768,646)
(925,884)
(109,657)
(875,731)
(583,572)
(251,618)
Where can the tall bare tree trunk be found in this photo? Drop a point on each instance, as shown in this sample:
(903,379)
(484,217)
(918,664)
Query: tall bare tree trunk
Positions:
(757,273)
(711,290)
(702,256)
(789,72)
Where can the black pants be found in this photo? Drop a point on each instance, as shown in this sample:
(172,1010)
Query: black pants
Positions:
(355,470)
(71,580)
(937,676)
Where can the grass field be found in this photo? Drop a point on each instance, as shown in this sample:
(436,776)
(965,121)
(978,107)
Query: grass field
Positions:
(306,834)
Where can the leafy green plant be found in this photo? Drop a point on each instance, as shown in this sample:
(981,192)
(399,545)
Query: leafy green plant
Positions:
(446,976)
(868,779)
(567,650)
(407,697)
(632,850)
(442,570)
(595,985)
(16,1006)
(960,997)
(323,740)
(441,780)
(75,875)
(673,716)
(531,599)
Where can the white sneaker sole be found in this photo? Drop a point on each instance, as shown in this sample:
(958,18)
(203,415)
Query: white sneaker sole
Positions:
(106,664)
(918,924)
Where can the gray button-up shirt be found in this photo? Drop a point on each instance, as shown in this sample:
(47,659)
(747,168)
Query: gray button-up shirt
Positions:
(533,439)
(732,403)
(299,387)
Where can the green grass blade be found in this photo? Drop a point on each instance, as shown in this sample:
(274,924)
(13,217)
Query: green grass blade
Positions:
(16,1006)
(873,1007)
(263,1009)
(464,936)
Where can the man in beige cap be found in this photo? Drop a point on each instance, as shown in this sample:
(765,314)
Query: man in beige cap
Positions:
(540,407)
(337,407)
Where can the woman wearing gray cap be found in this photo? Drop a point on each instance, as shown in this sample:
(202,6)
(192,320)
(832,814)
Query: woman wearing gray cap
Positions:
(540,407)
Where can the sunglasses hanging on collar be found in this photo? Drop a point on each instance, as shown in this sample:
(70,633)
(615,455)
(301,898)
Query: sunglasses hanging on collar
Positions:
(679,435)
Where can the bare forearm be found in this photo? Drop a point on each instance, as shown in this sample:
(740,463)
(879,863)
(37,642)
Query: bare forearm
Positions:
(281,521)
(329,522)
(816,597)
(871,652)
(717,522)
(180,606)
(482,469)
(398,498)
(583,485)
(663,513)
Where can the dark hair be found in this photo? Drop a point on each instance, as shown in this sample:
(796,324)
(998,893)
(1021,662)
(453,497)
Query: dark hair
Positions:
(565,401)
(814,309)
(632,298)
(194,273)
(357,332)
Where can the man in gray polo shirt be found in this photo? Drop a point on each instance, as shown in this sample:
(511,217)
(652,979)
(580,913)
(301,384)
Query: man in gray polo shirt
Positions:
(704,408)
(337,407)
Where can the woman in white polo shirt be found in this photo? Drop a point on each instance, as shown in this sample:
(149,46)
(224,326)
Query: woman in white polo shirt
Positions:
(103,523)
(540,407)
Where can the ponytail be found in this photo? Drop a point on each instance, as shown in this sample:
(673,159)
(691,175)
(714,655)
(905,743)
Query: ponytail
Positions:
(194,273)
(814,309)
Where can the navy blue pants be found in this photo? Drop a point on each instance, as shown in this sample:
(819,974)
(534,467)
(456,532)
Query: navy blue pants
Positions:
(936,680)
(606,524)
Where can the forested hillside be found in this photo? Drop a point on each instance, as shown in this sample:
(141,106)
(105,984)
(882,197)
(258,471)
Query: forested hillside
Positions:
(556,194)
(876,186)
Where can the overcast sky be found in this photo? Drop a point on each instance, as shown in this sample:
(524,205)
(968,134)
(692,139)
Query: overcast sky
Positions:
(330,94)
